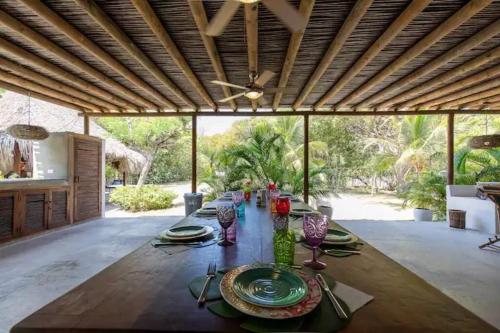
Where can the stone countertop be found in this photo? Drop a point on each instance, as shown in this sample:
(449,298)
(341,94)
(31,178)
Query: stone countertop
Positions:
(29,183)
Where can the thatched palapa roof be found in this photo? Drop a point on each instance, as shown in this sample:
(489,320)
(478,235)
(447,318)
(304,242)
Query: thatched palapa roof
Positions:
(55,118)
(354,55)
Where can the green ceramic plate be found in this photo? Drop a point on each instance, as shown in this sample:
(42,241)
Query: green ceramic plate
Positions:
(186,231)
(270,287)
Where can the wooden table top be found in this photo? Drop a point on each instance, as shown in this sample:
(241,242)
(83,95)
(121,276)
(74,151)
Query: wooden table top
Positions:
(147,291)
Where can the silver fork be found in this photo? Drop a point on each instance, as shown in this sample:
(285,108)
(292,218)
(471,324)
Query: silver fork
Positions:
(212,267)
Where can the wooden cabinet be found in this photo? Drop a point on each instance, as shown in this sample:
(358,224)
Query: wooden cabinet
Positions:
(25,212)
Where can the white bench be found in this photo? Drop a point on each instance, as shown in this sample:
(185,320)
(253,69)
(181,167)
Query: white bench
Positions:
(480,214)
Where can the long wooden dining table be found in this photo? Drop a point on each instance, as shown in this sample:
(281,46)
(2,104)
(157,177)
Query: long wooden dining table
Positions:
(147,290)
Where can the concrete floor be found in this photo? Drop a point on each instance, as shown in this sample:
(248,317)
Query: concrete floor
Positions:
(35,271)
(447,258)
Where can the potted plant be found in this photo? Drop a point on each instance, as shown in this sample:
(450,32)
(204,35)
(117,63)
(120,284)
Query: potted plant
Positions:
(427,195)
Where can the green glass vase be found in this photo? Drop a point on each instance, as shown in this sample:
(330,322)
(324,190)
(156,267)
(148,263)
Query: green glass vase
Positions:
(283,241)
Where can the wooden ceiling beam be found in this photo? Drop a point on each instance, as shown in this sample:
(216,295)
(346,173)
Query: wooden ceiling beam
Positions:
(34,94)
(106,23)
(305,9)
(156,26)
(480,96)
(486,102)
(200,18)
(29,74)
(442,79)
(49,46)
(356,14)
(30,85)
(453,22)
(442,94)
(407,16)
(44,65)
(482,36)
(89,46)
(252,32)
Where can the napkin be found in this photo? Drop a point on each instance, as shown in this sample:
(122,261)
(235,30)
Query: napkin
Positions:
(353,298)
(196,286)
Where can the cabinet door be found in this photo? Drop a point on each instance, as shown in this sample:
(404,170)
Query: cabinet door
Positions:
(34,205)
(8,227)
(58,208)
(87,178)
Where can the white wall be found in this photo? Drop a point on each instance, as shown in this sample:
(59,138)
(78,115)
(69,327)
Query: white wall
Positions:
(50,157)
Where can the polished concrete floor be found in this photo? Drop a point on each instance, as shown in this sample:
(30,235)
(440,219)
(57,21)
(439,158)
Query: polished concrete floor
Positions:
(35,271)
(447,258)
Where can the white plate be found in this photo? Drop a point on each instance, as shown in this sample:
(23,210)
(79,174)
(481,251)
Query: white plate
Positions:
(181,231)
(209,230)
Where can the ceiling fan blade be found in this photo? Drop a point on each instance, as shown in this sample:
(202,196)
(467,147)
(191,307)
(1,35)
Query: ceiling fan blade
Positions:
(222,83)
(231,97)
(222,18)
(287,13)
(262,101)
(264,77)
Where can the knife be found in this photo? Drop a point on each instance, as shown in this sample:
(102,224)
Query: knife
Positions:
(340,312)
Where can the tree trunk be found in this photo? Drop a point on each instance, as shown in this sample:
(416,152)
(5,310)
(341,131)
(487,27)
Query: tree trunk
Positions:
(145,169)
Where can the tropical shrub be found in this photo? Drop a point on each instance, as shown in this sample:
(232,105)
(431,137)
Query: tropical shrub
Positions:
(427,190)
(147,197)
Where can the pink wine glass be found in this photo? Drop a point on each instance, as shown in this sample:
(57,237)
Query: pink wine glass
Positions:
(315,230)
(225,215)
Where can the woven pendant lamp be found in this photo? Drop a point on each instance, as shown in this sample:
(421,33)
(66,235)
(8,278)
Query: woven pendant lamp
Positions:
(28,131)
(485,141)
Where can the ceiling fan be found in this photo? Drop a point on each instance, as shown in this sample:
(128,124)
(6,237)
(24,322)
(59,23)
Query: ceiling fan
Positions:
(287,13)
(254,90)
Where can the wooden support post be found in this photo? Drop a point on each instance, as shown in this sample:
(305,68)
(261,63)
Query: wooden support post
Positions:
(86,125)
(450,145)
(194,139)
(306,158)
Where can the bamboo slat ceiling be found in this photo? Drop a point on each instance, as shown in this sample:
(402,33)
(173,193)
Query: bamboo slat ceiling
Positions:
(354,55)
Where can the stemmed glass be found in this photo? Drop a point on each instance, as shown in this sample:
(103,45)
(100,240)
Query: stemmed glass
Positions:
(225,216)
(315,230)
(238,197)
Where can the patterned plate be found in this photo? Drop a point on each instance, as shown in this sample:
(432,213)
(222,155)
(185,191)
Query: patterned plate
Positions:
(308,304)
(336,237)
(270,287)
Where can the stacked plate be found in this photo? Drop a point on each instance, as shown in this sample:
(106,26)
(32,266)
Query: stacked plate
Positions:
(186,233)
(301,211)
(270,292)
(337,237)
(206,212)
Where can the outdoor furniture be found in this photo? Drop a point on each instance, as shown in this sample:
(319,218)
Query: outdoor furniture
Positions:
(148,290)
(481,214)
(492,193)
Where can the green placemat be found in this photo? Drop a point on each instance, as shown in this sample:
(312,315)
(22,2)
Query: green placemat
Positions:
(196,286)
(322,319)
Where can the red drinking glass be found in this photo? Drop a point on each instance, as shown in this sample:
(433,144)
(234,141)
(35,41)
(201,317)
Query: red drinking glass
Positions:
(283,205)
(248,195)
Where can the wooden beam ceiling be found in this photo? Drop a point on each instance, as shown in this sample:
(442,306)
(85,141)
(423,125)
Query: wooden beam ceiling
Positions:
(475,40)
(43,65)
(356,14)
(480,96)
(30,85)
(27,92)
(200,18)
(412,11)
(106,23)
(88,45)
(446,77)
(305,8)
(154,23)
(461,16)
(441,95)
(36,77)
(44,43)
(252,36)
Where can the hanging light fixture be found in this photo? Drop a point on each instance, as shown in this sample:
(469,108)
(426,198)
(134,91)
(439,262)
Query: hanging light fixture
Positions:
(485,141)
(28,132)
